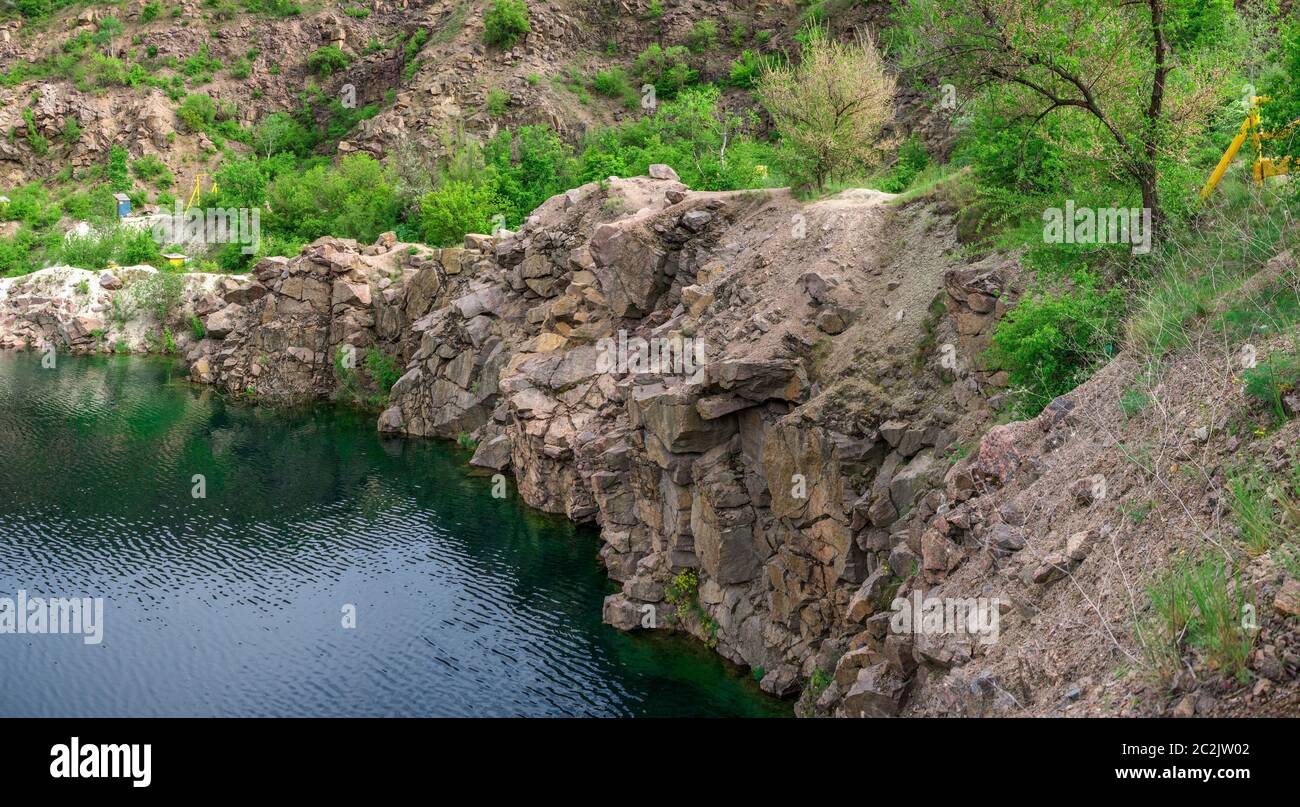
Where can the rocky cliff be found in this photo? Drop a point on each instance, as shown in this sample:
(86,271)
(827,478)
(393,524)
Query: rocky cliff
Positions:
(772,410)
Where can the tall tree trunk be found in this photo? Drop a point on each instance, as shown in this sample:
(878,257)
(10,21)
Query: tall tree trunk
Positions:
(1149,171)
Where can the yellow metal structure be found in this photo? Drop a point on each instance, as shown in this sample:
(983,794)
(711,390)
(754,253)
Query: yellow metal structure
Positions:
(1252,130)
(196,195)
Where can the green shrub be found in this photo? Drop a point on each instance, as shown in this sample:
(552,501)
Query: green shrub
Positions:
(160,293)
(327,61)
(611,82)
(455,209)
(497,101)
(382,369)
(354,200)
(1271,379)
(1051,341)
(71,130)
(150,168)
(1196,605)
(197,329)
(505,22)
(150,11)
(669,70)
(748,69)
(198,112)
(118,179)
(704,35)
(912,160)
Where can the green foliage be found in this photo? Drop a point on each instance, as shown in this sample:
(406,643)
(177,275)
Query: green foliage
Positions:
(197,329)
(150,11)
(1269,380)
(704,35)
(669,70)
(71,131)
(118,179)
(497,101)
(39,144)
(356,200)
(1051,341)
(275,8)
(912,160)
(1196,605)
(457,208)
(682,592)
(200,66)
(748,68)
(612,83)
(687,133)
(1132,402)
(198,112)
(159,293)
(150,168)
(241,68)
(505,22)
(327,61)
(530,166)
(819,682)
(382,369)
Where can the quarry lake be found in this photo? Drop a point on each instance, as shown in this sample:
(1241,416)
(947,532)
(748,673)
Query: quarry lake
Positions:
(233,603)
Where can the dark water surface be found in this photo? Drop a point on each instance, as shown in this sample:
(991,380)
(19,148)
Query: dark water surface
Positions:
(231,604)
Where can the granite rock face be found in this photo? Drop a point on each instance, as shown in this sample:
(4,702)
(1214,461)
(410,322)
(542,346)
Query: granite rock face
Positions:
(665,371)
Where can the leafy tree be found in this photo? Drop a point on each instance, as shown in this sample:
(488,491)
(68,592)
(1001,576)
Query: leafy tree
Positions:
(457,208)
(241,183)
(530,167)
(830,108)
(1144,75)
(356,200)
(279,133)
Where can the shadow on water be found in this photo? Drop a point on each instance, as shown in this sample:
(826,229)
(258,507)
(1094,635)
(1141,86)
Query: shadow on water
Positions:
(232,603)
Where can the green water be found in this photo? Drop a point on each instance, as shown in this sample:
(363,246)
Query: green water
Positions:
(233,603)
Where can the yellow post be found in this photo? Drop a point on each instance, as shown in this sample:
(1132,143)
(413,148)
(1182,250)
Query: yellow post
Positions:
(1226,160)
